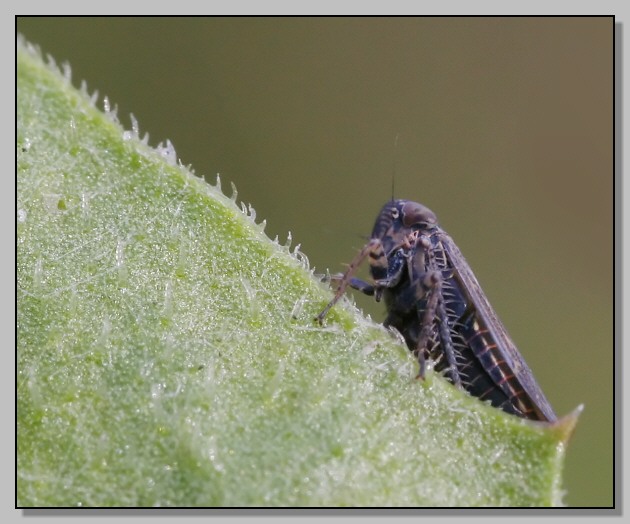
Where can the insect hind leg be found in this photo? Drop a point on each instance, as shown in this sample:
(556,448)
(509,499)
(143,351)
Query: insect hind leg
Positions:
(435,311)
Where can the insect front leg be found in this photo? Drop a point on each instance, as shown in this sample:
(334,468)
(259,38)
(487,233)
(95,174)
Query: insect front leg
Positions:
(373,249)
(355,283)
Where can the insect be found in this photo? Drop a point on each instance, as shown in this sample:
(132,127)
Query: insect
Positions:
(434,300)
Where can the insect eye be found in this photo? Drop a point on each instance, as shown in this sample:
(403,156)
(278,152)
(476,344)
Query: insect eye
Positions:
(395,213)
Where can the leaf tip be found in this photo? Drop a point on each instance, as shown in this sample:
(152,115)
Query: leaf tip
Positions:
(565,426)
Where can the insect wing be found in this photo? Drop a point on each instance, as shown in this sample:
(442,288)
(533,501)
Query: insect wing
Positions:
(521,383)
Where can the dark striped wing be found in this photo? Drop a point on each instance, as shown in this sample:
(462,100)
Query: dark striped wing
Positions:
(492,345)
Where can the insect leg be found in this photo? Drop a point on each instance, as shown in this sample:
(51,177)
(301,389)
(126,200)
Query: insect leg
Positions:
(355,283)
(423,283)
(436,311)
(361,285)
(446,339)
(431,282)
(373,249)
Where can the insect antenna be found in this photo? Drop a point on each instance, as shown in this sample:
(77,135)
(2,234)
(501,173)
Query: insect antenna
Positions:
(394,164)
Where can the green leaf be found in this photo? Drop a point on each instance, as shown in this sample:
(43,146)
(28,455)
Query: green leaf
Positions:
(168,356)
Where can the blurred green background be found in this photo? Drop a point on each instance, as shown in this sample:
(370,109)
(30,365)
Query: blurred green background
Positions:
(502,126)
